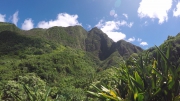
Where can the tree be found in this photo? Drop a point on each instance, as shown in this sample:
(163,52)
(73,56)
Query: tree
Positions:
(18,89)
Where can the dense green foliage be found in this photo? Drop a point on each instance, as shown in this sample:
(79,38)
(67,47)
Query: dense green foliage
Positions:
(8,27)
(174,51)
(143,80)
(60,63)
(64,68)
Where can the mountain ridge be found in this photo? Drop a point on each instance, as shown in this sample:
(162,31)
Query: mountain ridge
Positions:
(94,41)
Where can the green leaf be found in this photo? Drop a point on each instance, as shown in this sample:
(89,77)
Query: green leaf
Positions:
(154,66)
(171,82)
(92,93)
(130,84)
(135,96)
(168,51)
(166,60)
(138,96)
(47,94)
(29,94)
(16,96)
(139,80)
(146,58)
(96,87)
(157,73)
(108,96)
(158,91)
(141,62)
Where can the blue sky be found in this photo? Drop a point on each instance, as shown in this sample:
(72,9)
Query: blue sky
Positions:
(142,22)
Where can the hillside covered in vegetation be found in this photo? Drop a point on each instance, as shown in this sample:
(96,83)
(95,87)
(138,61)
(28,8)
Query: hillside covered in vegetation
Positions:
(63,63)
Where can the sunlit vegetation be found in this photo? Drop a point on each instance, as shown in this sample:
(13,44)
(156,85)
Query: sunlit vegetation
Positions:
(71,64)
(142,79)
(64,68)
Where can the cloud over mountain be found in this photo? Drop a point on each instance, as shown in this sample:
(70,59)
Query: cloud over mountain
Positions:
(111,29)
(15,18)
(144,43)
(2,18)
(28,24)
(63,19)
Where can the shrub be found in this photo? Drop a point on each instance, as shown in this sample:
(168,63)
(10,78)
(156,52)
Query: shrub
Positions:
(144,80)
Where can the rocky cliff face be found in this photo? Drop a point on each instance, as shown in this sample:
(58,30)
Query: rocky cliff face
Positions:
(101,45)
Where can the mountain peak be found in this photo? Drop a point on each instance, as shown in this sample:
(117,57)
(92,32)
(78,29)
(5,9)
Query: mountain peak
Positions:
(6,23)
(4,26)
(94,41)
(95,29)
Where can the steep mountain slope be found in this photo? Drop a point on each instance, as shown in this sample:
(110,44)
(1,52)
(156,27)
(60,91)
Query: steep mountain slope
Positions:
(98,43)
(8,27)
(94,41)
(125,49)
(101,45)
(70,36)
(15,43)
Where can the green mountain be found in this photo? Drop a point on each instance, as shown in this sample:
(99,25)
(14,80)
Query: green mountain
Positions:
(69,59)
(125,49)
(64,58)
(174,42)
(69,36)
(94,41)
(8,27)
(102,46)
(98,43)
(152,75)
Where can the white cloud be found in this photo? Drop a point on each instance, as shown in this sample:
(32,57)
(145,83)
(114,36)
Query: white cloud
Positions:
(2,18)
(116,36)
(144,43)
(28,24)
(125,15)
(124,23)
(155,9)
(100,24)
(63,19)
(176,12)
(139,40)
(131,39)
(15,18)
(89,26)
(130,24)
(111,27)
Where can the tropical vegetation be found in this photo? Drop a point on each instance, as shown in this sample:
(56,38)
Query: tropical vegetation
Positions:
(72,64)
